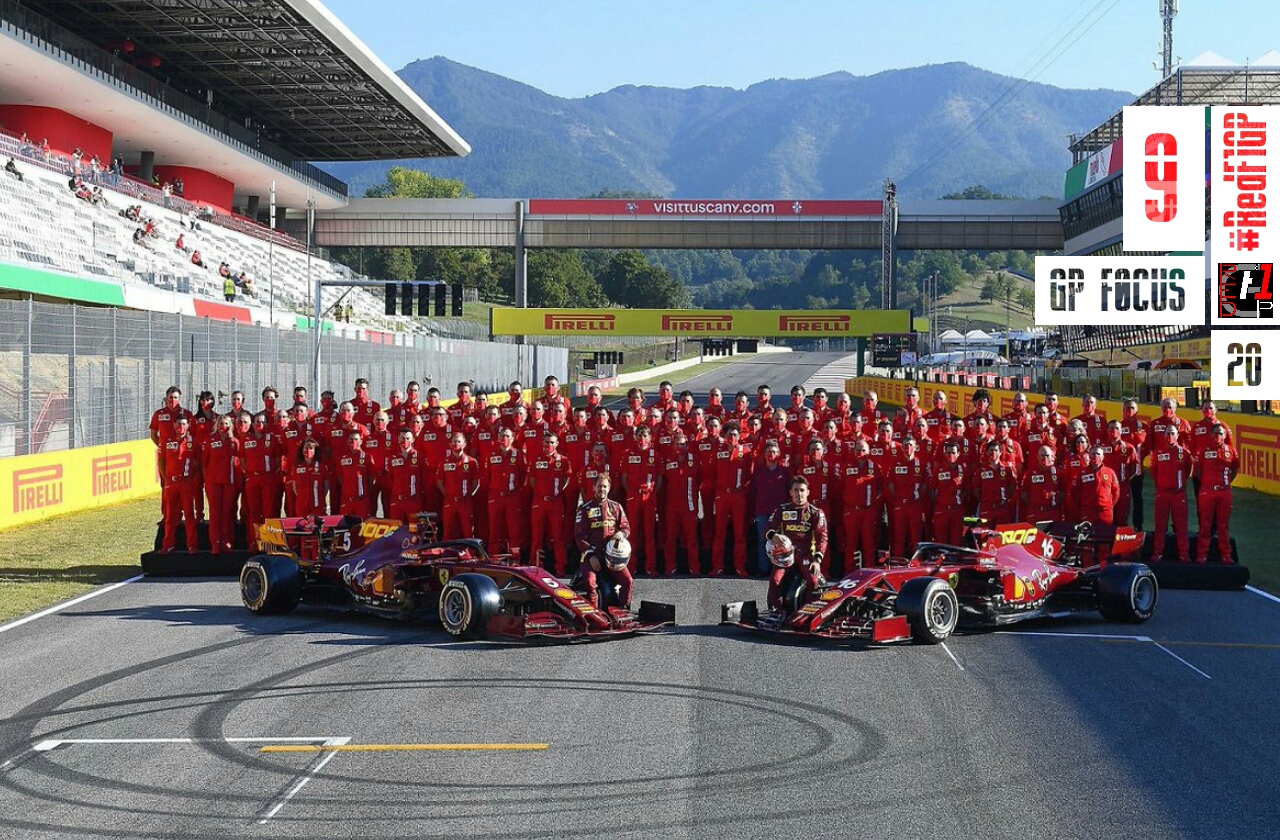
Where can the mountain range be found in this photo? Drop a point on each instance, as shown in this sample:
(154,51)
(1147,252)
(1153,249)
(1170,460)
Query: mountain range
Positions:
(835,136)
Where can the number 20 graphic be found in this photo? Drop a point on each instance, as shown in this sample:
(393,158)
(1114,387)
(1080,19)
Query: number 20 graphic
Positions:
(1163,180)
(1249,355)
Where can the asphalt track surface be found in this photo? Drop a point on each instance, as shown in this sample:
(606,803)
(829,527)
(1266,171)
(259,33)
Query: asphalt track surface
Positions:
(144,712)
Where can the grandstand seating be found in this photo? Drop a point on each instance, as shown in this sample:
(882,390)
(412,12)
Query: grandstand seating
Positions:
(43,224)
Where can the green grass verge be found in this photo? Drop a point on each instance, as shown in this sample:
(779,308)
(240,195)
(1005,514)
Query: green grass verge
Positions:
(51,561)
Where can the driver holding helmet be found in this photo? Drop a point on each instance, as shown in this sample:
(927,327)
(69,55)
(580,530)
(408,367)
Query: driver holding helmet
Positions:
(797,534)
(601,531)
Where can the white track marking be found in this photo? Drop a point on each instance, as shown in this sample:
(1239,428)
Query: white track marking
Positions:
(311,771)
(81,599)
(952,655)
(1180,659)
(45,746)
(1110,636)
(1256,591)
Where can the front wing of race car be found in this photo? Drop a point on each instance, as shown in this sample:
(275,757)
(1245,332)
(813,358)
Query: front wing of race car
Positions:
(835,619)
(578,621)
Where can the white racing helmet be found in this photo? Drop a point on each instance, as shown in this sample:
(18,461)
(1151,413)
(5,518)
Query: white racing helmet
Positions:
(617,552)
(781,551)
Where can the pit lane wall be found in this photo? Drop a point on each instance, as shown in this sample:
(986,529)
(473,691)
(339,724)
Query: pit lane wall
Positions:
(1257,437)
(36,487)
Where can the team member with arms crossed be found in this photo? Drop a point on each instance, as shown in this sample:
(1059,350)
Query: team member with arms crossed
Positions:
(1216,468)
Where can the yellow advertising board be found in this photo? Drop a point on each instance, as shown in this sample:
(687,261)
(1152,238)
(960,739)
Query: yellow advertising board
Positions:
(35,487)
(1257,437)
(701,323)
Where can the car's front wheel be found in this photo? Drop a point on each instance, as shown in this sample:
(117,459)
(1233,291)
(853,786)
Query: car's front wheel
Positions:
(467,602)
(931,608)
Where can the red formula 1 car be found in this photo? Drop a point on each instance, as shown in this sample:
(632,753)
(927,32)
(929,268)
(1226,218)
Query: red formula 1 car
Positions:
(1009,573)
(388,569)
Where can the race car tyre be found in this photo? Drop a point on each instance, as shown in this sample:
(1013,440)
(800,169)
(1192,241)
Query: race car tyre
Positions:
(467,602)
(270,584)
(794,592)
(1127,592)
(931,608)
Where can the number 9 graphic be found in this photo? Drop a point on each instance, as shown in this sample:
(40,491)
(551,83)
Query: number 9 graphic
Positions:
(1163,180)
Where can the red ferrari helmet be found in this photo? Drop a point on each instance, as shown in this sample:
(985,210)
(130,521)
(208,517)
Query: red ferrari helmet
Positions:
(781,552)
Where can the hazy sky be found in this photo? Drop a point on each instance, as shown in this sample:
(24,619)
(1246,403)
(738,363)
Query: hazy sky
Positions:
(577,48)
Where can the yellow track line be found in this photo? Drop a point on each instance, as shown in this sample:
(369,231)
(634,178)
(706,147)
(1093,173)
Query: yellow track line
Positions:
(1244,645)
(311,748)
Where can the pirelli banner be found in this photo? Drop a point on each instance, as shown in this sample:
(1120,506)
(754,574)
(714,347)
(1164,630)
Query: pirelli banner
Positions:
(708,323)
(36,487)
(1257,436)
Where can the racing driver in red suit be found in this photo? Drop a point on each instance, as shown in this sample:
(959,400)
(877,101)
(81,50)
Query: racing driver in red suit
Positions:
(805,525)
(597,520)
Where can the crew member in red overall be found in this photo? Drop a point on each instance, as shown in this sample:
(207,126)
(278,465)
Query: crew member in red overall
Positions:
(1097,489)
(180,467)
(1171,468)
(549,475)
(948,483)
(705,449)
(1134,431)
(222,476)
(939,418)
(504,481)
(860,491)
(678,488)
(309,479)
(1122,458)
(906,494)
(203,424)
(734,466)
(870,417)
(996,488)
(162,428)
(1074,461)
(1216,468)
(1095,425)
(639,478)
(595,523)
(379,445)
(355,473)
(1042,488)
(458,483)
(1020,420)
(905,420)
(806,526)
(260,456)
(403,475)
(364,408)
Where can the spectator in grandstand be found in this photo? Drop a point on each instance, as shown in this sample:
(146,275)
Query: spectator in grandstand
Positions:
(27,148)
(98,199)
(45,151)
(193,220)
(224,270)
(77,159)
(179,188)
(117,169)
(196,259)
(140,238)
(12,169)
(181,244)
(347,313)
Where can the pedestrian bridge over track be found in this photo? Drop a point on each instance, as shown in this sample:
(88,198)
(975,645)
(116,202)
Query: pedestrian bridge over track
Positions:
(685,224)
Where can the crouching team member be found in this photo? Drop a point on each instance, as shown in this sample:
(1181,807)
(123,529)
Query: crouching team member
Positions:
(797,534)
(597,524)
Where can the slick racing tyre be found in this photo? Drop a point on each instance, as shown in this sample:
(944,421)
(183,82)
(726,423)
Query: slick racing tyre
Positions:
(794,591)
(931,609)
(270,584)
(1127,592)
(467,602)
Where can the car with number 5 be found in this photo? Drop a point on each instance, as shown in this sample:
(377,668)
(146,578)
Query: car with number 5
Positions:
(1005,574)
(386,568)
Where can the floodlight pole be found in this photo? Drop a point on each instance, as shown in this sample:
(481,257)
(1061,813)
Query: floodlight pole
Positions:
(271,257)
(315,285)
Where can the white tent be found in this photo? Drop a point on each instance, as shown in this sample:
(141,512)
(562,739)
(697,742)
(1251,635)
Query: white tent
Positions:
(951,335)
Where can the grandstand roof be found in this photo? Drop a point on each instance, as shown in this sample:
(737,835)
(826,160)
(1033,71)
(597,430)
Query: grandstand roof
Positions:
(287,65)
(1208,79)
